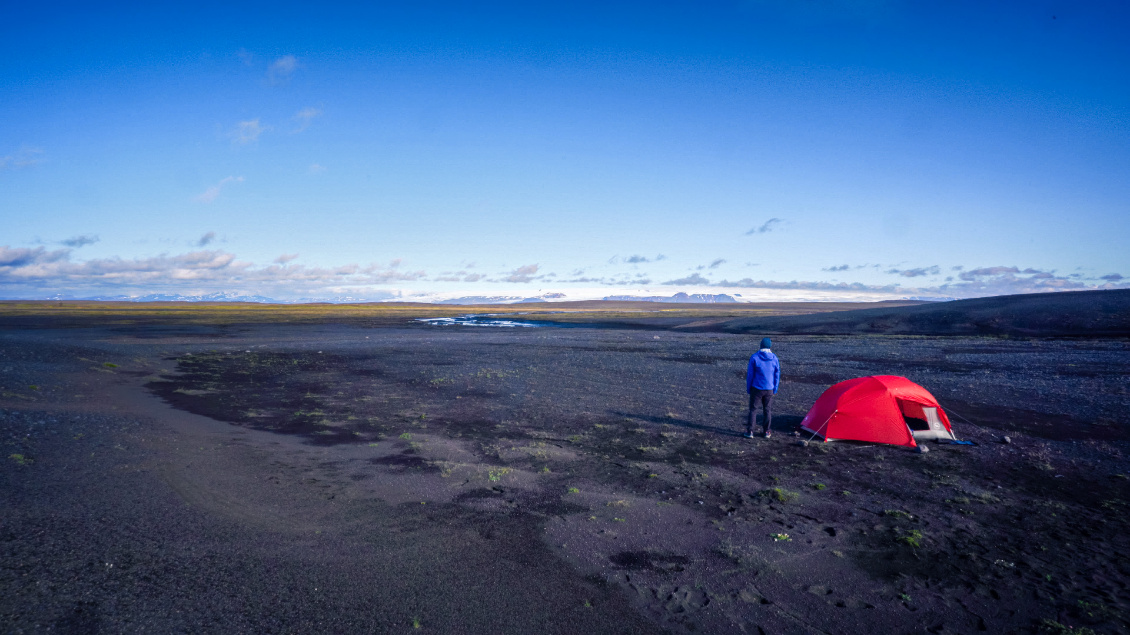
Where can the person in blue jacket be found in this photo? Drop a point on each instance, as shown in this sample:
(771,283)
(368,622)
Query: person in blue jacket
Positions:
(761,381)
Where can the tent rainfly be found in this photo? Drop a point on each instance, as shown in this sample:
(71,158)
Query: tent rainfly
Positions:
(879,409)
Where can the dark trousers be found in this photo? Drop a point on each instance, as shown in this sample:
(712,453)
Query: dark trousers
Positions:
(765,398)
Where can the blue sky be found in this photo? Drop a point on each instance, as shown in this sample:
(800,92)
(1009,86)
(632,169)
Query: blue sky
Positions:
(427,150)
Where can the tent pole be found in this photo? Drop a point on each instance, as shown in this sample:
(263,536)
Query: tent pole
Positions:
(825,424)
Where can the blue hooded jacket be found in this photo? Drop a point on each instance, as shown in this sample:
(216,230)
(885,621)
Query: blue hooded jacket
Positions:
(764,372)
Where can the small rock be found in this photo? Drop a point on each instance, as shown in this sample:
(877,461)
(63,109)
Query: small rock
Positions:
(1006,440)
(922,449)
(802,443)
(700,502)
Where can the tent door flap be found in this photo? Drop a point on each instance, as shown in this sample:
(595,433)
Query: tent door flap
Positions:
(923,420)
(933,428)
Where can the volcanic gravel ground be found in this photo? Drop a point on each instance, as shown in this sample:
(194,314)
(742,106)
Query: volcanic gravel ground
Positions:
(461,479)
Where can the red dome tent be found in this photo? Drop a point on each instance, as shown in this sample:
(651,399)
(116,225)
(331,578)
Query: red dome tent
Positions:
(878,409)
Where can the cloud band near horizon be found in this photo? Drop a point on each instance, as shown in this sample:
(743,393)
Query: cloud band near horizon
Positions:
(30,273)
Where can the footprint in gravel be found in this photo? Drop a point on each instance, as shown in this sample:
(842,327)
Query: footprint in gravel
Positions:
(685,600)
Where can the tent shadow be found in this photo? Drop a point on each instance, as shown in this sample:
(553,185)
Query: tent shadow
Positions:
(783,423)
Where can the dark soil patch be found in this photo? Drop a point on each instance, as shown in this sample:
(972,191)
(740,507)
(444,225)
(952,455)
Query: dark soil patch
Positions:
(655,561)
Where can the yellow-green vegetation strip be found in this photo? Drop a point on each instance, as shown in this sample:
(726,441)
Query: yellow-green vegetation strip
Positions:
(779,494)
(912,538)
(497,474)
(78,313)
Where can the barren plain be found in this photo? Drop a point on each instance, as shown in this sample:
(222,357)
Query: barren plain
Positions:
(398,477)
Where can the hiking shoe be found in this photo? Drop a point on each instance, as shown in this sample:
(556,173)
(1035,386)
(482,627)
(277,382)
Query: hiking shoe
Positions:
(748,435)
(768,434)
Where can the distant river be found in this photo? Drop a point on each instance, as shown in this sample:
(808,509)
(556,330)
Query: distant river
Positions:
(498,322)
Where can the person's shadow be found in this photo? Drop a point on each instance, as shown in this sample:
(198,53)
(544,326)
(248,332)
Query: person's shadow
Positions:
(781,423)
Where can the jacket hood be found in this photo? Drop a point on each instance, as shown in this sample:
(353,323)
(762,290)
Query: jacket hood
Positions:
(765,354)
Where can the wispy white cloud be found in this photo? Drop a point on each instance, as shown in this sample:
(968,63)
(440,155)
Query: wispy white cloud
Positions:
(245,56)
(693,279)
(80,241)
(207,238)
(21,257)
(987,272)
(285,258)
(282,68)
(316,168)
(213,192)
(248,132)
(24,157)
(458,276)
(635,259)
(714,264)
(765,227)
(524,273)
(916,273)
(303,118)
